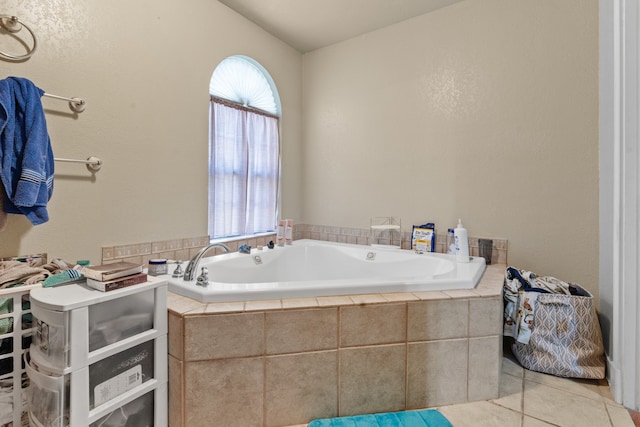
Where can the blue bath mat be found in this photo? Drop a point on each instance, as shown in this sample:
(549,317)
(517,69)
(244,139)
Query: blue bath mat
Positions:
(423,418)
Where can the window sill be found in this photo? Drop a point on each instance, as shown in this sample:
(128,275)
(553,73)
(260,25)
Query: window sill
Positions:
(242,238)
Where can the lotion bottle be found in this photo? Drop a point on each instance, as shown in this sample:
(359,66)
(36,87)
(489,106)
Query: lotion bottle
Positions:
(288,231)
(462,242)
(280,233)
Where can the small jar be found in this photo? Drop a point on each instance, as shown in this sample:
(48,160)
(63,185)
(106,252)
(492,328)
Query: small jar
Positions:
(157,267)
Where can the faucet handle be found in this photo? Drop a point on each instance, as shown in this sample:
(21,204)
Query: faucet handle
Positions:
(203,278)
(178,271)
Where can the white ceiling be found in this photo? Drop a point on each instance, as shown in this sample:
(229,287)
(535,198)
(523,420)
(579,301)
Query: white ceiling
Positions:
(311,24)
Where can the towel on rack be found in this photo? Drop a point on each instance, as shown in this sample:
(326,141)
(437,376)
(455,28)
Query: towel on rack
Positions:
(26,157)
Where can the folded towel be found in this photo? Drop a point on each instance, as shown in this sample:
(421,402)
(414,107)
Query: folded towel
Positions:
(67,276)
(26,157)
(16,272)
(422,418)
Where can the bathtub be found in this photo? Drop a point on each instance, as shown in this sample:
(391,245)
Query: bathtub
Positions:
(312,268)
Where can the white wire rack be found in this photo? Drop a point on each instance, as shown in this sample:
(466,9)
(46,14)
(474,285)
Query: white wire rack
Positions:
(12,372)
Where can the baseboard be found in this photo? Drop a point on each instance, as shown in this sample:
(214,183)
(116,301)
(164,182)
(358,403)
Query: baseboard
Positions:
(614,377)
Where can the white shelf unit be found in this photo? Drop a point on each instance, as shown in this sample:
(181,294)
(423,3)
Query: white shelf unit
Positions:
(97,355)
(14,338)
(386,231)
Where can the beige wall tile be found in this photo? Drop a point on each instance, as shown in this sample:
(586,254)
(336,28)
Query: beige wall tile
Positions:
(372,379)
(193,242)
(372,324)
(437,373)
(233,246)
(294,331)
(484,367)
(175,393)
(301,387)
(176,337)
(437,319)
(224,335)
(182,255)
(485,317)
(225,393)
(137,259)
(135,249)
(108,253)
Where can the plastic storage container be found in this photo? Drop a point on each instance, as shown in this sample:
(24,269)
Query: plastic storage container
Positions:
(108,322)
(97,356)
(48,397)
(138,412)
(117,374)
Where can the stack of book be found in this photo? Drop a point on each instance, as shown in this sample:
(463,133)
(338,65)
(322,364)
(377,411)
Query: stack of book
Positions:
(118,275)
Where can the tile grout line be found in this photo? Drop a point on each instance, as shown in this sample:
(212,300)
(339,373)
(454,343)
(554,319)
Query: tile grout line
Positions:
(522,383)
(264,368)
(338,359)
(606,409)
(406,355)
(468,346)
(564,390)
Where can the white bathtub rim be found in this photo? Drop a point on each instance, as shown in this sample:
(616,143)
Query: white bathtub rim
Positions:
(470,273)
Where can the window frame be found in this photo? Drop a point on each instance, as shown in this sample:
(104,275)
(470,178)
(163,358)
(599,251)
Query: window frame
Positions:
(246,106)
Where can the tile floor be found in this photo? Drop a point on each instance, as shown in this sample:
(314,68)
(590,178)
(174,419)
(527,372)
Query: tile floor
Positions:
(532,399)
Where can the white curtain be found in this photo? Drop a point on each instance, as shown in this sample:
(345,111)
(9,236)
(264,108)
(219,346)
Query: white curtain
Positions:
(243,171)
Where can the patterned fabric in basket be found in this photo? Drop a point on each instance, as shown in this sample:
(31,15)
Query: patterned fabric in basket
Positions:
(566,339)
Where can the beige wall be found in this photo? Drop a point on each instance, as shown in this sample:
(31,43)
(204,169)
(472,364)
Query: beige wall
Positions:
(485,110)
(144,69)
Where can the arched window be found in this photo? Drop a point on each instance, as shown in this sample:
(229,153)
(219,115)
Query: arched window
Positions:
(244,149)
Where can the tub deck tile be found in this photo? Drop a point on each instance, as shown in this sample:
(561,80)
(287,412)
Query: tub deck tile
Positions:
(461,293)
(263,348)
(182,305)
(334,301)
(486,292)
(367,299)
(271,304)
(300,303)
(431,295)
(225,307)
(400,296)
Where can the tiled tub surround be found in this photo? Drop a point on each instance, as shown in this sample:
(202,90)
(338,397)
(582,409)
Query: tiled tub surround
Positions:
(185,249)
(285,362)
(177,249)
(362,236)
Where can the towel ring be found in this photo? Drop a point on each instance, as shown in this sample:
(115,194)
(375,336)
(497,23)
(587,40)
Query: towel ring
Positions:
(12,24)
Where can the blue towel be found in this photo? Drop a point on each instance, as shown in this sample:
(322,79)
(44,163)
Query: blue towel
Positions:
(26,157)
(422,418)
